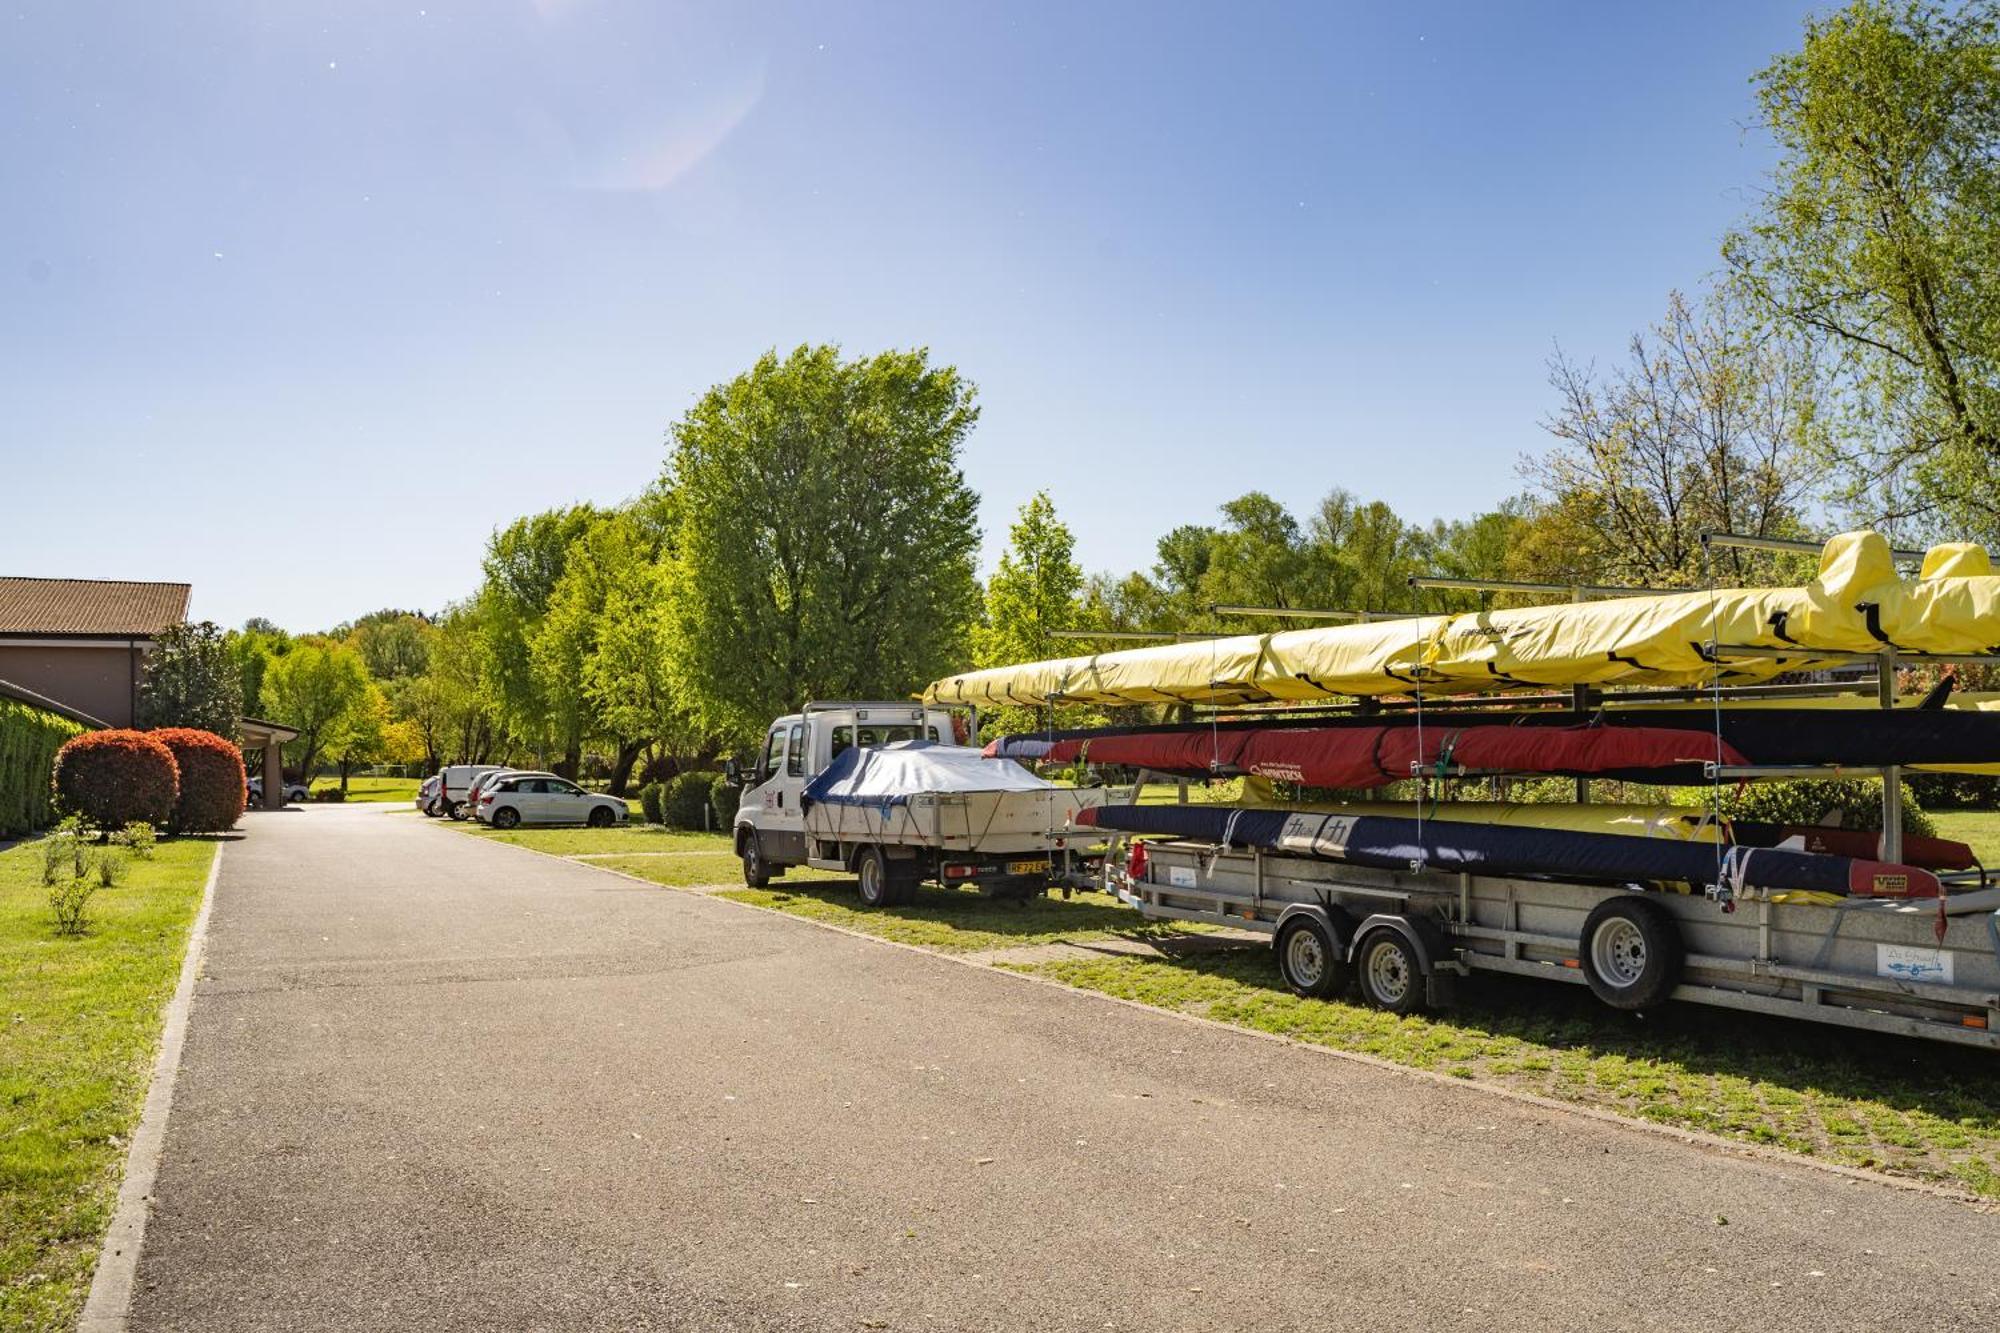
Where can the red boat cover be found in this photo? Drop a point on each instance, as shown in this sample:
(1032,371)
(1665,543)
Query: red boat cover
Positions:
(1371,756)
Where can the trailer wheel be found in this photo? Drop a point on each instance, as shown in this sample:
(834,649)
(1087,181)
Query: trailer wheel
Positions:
(1631,953)
(1390,973)
(871,875)
(1309,959)
(756,871)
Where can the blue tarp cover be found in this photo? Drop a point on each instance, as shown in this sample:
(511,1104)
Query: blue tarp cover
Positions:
(886,775)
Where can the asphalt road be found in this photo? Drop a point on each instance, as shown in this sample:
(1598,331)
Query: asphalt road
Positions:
(432,1083)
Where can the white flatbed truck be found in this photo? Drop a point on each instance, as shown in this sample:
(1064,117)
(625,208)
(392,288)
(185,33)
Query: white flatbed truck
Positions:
(1010,843)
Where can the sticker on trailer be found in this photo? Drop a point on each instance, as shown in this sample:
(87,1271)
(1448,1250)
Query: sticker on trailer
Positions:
(1181,877)
(1316,835)
(1911,962)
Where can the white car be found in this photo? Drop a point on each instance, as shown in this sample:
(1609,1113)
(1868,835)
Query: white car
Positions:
(294,791)
(513,799)
(427,795)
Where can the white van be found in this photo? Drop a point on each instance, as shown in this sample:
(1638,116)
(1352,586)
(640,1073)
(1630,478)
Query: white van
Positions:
(455,787)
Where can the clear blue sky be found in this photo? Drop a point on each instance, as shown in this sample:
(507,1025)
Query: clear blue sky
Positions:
(383,277)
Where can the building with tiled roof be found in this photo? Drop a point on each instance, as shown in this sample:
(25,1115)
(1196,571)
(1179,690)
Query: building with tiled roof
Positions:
(83,642)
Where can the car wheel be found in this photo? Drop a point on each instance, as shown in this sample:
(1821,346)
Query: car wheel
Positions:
(1631,953)
(506,817)
(871,876)
(756,873)
(600,816)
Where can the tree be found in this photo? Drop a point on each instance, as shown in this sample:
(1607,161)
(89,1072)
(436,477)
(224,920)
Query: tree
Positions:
(523,567)
(313,688)
(359,734)
(1710,424)
(1033,592)
(253,648)
(1881,239)
(824,531)
(394,645)
(192,681)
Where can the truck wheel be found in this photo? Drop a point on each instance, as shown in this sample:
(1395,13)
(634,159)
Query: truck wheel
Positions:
(756,871)
(871,874)
(1309,959)
(454,810)
(1390,973)
(1631,953)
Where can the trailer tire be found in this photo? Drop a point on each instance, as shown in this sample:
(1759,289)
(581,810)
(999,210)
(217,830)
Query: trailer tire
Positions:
(1391,973)
(1631,952)
(756,870)
(1310,959)
(872,880)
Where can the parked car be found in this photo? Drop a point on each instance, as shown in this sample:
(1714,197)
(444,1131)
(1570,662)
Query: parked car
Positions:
(479,784)
(455,787)
(294,791)
(427,795)
(543,798)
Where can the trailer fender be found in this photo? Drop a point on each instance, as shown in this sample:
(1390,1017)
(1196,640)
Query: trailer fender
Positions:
(1338,924)
(1426,945)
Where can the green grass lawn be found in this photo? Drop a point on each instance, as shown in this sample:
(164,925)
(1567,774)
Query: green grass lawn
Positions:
(598,841)
(1980,828)
(79,1019)
(375,789)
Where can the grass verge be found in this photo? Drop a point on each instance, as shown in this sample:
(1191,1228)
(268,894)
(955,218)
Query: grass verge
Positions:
(1980,828)
(960,920)
(79,1021)
(375,789)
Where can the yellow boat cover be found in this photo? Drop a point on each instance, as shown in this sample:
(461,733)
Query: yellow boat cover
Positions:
(1856,603)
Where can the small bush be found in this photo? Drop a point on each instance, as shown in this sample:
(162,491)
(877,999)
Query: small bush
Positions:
(328,795)
(724,799)
(139,837)
(685,801)
(63,852)
(69,901)
(111,778)
(649,801)
(1956,791)
(212,780)
(109,863)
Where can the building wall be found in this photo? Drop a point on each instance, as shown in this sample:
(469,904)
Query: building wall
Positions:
(101,680)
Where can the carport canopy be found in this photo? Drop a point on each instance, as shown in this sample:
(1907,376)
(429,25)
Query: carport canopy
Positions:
(270,737)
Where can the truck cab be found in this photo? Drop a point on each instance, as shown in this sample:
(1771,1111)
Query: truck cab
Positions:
(770,831)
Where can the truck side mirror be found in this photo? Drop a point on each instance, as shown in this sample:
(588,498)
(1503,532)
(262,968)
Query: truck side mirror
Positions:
(732,771)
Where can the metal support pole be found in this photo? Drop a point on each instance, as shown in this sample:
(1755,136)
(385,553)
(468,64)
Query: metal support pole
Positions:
(1580,703)
(1892,776)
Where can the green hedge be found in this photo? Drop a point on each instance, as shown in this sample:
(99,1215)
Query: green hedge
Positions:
(684,803)
(29,739)
(723,798)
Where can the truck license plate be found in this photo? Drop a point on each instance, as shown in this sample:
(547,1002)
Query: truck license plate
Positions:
(1027,867)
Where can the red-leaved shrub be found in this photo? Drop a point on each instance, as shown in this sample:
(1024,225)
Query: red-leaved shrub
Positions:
(111,778)
(211,799)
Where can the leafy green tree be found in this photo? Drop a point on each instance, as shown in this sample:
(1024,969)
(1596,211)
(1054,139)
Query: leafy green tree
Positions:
(253,648)
(360,735)
(314,688)
(824,531)
(1881,239)
(1033,592)
(393,644)
(192,681)
(523,567)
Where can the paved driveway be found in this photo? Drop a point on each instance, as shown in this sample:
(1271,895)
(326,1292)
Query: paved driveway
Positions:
(432,1083)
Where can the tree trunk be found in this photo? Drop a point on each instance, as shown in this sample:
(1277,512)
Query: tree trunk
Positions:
(621,768)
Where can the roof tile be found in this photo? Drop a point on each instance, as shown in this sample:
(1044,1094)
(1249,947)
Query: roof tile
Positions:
(90,606)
